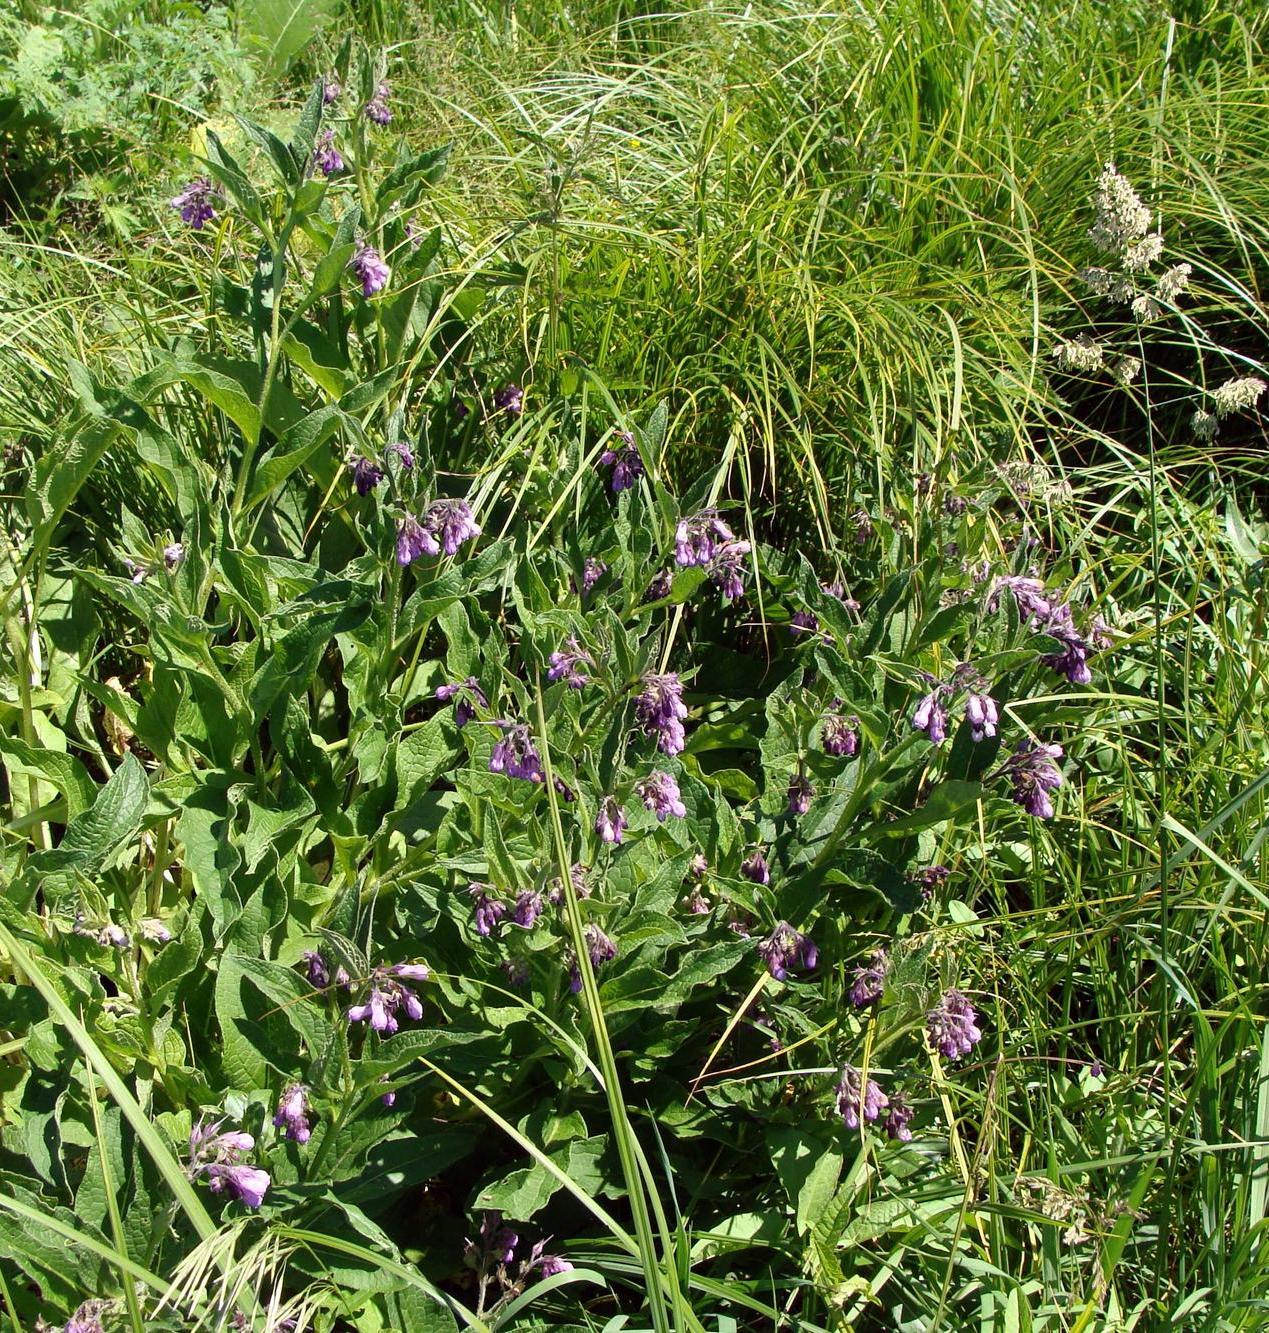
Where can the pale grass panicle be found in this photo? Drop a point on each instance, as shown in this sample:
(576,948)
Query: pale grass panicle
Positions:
(1079,354)
(1238,394)
(1122,219)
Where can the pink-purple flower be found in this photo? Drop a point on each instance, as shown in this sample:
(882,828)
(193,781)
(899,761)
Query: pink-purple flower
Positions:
(442,528)
(369,269)
(326,157)
(697,539)
(897,1118)
(610,822)
(952,1026)
(857,1099)
(377,109)
(487,908)
(566,665)
(367,474)
(468,693)
(293,1112)
(726,568)
(197,202)
(217,1156)
(785,949)
(754,867)
(509,399)
(930,716)
(529,906)
(388,995)
(660,710)
(801,793)
(1035,774)
(869,980)
(515,753)
(331,89)
(627,466)
(982,715)
(840,735)
(600,949)
(660,794)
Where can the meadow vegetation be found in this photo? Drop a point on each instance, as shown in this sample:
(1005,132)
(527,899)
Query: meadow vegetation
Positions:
(633,686)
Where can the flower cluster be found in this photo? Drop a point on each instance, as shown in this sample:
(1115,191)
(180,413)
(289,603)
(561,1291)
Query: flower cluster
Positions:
(443,527)
(369,269)
(566,664)
(626,464)
(952,1026)
(387,995)
(660,794)
(515,753)
(326,157)
(197,202)
(869,980)
(293,1112)
(697,539)
(610,822)
(217,1157)
(1056,619)
(487,908)
(1034,771)
(468,693)
(786,948)
(839,735)
(600,949)
(660,711)
(377,110)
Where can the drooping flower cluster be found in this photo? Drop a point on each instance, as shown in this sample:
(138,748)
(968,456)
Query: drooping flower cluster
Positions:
(726,568)
(566,664)
(698,539)
(326,157)
(318,972)
(754,867)
(930,715)
(332,90)
(387,995)
(869,980)
(1079,355)
(785,949)
(377,110)
(1034,771)
(509,399)
(515,753)
(197,202)
(1122,219)
(217,1157)
(600,949)
(660,710)
(801,793)
(952,1026)
(592,571)
(1050,617)
(487,908)
(293,1112)
(610,822)
(857,1099)
(529,906)
(1237,395)
(626,464)
(369,269)
(468,693)
(367,474)
(443,527)
(660,794)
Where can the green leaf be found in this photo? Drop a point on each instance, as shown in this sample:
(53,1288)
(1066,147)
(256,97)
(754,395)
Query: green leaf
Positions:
(293,450)
(945,802)
(113,820)
(306,127)
(276,31)
(808,1165)
(276,151)
(63,771)
(420,759)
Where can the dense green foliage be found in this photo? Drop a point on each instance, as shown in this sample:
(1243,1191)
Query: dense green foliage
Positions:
(879,325)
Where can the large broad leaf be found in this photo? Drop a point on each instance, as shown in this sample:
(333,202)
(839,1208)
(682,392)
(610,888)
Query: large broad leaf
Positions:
(114,820)
(294,449)
(276,31)
(64,771)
